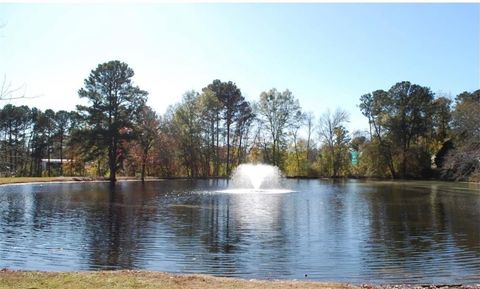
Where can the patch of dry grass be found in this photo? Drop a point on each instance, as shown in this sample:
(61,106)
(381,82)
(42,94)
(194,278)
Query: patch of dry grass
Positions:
(17,180)
(26,180)
(141,279)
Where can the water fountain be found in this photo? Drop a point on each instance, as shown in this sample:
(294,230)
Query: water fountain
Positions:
(256,178)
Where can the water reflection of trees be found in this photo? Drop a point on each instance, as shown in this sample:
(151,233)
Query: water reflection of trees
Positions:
(401,216)
(415,226)
(231,234)
(161,226)
(35,222)
(77,226)
(115,227)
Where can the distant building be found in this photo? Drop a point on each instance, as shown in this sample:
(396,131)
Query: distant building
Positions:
(54,162)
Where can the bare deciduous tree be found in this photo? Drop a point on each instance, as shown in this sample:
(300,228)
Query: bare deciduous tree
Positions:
(328,127)
(7,91)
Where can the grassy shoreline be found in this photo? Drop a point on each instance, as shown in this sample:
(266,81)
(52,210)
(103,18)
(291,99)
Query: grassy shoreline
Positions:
(145,279)
(25,180)
(34,180)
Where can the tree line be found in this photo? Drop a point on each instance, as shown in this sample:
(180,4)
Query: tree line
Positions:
(413,133)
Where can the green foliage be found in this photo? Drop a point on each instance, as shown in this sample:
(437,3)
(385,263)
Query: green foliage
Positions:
(462,161)
(209,133)
(400,118)
(187,127)
(334,152)
(113,103)
(14,123)
(227,105)
(276,112)
(296,162)
(442,117)
(466,116)
(29,135)
(371,163)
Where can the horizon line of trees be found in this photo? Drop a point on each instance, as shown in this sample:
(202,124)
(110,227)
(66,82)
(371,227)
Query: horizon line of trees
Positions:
(413,133)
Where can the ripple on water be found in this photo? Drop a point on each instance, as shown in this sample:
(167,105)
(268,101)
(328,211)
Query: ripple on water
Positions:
(343,231)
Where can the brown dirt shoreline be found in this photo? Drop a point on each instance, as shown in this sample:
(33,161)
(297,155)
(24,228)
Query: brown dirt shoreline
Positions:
(145,279)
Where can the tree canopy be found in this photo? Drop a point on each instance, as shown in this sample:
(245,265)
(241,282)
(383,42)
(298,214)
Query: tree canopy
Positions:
(113,103)
(413,133)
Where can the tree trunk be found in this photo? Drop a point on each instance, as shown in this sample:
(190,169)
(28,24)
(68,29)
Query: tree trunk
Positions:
(112,161)
(48,163)
(228,148)
(334,162)
(296,153)
(388,154)
(212,153)
(274,152)
(71,163)
(143,171)
(61,155)
(404,162)
(239,154)
(10,153)
(385,150)
(217,153)
(308,147)
(15,156)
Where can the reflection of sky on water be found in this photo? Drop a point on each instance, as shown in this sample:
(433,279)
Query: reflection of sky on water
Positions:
(345,230)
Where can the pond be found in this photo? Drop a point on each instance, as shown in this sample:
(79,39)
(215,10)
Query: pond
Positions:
(346,231)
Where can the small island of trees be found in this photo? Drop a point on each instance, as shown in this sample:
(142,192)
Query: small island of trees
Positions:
(413,133)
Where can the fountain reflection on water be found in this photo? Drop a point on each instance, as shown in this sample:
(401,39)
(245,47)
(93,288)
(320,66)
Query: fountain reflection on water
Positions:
(256,178)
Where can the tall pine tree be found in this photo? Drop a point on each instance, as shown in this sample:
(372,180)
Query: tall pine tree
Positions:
(113,103)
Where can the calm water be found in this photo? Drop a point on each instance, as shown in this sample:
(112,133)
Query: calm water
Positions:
(352,231)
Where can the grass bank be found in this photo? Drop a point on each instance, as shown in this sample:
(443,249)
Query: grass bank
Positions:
(21,180)
(141,279)
(26,180)
(149,280)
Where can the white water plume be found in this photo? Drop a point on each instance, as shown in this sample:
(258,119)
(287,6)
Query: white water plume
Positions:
(256,177)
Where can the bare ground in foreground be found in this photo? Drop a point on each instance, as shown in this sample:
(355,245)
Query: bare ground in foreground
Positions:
(143,279)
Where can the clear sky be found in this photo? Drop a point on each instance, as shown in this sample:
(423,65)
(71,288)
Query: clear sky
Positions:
(328,55)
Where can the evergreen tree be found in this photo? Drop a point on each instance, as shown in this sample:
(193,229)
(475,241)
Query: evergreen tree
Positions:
(113,103)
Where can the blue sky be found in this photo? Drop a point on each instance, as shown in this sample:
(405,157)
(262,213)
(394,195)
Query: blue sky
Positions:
(328,55)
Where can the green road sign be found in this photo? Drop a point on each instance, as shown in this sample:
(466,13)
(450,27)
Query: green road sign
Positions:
(354,155)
